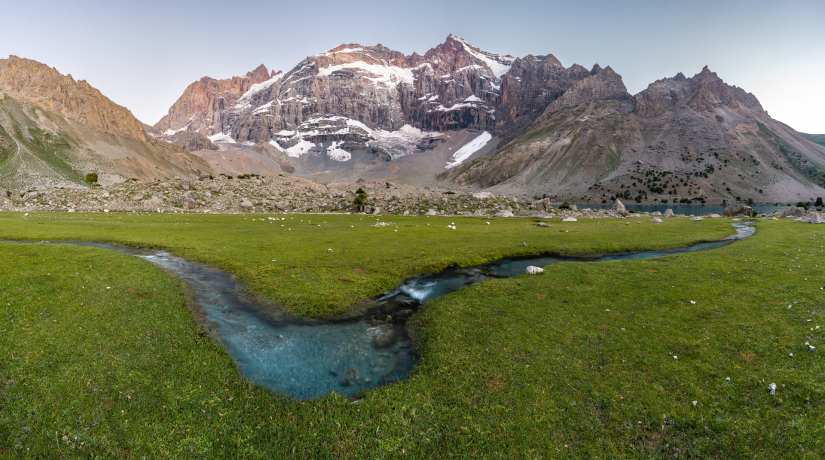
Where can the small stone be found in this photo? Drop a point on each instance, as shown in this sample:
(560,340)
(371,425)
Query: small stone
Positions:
(772,387)
(790,354)
(694,403)
(727,379)
(675,357)
(329,250)
(656,220)
(692,302)
(532,270)
(524,244)
(811,348)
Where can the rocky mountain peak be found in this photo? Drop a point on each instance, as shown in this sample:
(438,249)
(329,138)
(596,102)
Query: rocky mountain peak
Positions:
(703,92)
(43,86)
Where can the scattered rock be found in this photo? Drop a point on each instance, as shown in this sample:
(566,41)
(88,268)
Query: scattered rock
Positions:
(504,213)
(246,204)
(668,213)
(697,218)
(772,387)
(655,219)
(541,224)
(187,200)
(540,215)
(569,219)
(618,206)
(532,270)
(384,336)
(186,184)
(431,212)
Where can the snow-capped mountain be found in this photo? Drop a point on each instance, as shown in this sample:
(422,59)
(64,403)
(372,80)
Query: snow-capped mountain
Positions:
(350,98)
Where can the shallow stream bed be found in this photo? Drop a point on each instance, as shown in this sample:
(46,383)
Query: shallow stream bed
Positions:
(306,358)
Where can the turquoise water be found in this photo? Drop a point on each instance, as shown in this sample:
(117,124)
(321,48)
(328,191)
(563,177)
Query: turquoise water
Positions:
(304,358)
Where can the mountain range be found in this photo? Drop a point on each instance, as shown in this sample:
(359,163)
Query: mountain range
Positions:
(455,116)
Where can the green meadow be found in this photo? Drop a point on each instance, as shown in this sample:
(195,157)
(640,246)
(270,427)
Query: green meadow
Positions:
(100,355)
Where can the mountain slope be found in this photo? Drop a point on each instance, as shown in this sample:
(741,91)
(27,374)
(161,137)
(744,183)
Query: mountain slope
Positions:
(680,139)
(815,138)
(44,87)
(42,149)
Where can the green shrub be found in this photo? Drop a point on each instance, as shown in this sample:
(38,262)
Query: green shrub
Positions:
(565,205)
(719,118)
(91,178)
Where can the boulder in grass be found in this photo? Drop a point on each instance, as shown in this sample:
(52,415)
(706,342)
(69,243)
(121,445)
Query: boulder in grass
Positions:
(738,209)
(668,213)
(569,219)
(504,213)
(532,270)
(714,216)
(540,215)
(657,220)
(697,218)
(813,218)
(793,211)
(246,204)
(656,214)
(618,206)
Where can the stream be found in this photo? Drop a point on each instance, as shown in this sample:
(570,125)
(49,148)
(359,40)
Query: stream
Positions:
(306,358)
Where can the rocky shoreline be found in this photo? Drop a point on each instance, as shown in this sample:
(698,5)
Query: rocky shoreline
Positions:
(288,194)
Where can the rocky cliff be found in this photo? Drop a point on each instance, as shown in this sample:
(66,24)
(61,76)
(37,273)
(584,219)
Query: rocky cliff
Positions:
(43,86)
(682,139)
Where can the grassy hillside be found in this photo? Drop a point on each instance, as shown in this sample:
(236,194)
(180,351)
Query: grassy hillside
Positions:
(41,149)
(624,359)
(815,138)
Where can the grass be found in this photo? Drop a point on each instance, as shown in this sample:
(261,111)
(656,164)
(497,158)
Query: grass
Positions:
(575,363)
(288,263)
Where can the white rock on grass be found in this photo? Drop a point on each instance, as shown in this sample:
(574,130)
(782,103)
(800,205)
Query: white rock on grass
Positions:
(697,218)
(772,387)
(532,270)
(569,219)
(657,220)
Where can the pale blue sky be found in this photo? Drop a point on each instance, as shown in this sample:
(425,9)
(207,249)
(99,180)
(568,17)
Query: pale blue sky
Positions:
(143,54)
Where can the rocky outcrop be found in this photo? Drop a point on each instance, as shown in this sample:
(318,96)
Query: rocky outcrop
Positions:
(207,104)
(703,92)
(531,84)
(40,85)
(192,141)
(601,85)
(738,210)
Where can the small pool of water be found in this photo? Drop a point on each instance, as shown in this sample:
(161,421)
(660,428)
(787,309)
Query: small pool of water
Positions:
(305,358)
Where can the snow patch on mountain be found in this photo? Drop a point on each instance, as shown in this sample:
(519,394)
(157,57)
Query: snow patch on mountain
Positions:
(497,63)
(337,154)
(469,149)
(302,147)
(384,74)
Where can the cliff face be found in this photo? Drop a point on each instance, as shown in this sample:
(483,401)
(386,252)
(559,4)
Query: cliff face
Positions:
(204,104)
(40,85)
(348,93)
